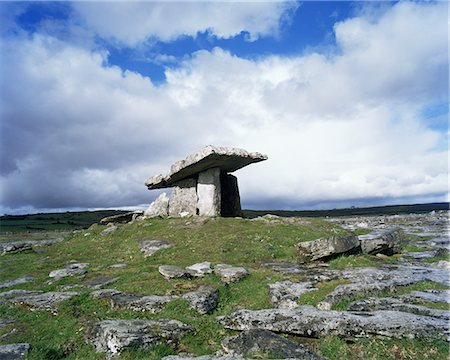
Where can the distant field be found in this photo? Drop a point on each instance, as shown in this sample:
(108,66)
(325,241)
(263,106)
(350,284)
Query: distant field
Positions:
(84,219)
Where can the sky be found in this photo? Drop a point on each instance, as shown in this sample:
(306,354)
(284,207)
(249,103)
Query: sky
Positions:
(349,100)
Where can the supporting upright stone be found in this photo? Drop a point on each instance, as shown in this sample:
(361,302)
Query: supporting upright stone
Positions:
(209,192)
(183,201)
(230,201)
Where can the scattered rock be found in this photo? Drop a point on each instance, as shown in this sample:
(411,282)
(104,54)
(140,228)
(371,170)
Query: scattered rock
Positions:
(200,269)
(25,245)
(257,343)
(118,266)
(109,230)
(436,296)
(44,301)
(327,248)
(121,218)
(397,304)
(285,294)
(229,273)
(99,282)
(69,270)
(149,247)
(22,280)
(113,336)
(120,300)
(387,242)
(14,351)
(308,321)
(172,272)
(7,295)
(204,300)
(159,207)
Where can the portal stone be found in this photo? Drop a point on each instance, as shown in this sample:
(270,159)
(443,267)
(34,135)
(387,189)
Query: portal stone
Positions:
(208,192)
(231,201)
(183,201)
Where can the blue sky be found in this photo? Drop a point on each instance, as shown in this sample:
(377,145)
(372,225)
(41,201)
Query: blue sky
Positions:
(348,99)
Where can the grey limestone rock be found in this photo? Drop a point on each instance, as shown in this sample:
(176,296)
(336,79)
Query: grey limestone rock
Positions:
(121,218)
(200,269)
(69,270)
(311,322)
(204,357)
(398,304)
(204,299)
(118,266)
(113,336)
(209,192)
(326,248)
(21,280)
(120,300)
(436,296)
(258,342)
(149,247)
(159,207)
(229,273)
(14,351)
(173,272)
(285,294)
(227,159)
(99,282)
(109,230)
(43,301)
(183,201)
(25,245)
(388,242)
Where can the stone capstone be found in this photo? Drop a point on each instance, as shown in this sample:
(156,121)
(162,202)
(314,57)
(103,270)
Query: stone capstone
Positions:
(326,248)
(149,247)
(14,351)
(113,336)
(227,159)
(183,201)
(204,299)
(69,270)
(257,343)
(159,207)
(229,273)
(387,242)
(310,322)
(209,192)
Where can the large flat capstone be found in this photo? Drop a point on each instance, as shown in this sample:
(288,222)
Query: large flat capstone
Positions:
(226,159)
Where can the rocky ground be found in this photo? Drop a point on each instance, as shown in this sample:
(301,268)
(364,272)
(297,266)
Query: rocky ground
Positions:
(355,287)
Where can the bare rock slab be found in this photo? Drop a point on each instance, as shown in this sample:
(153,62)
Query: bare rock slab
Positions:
(109,230)
(113,336)
(44,301)
(149,247)
(14,351)
(387,242)
(204,299)
(200,269)
(69,270)
(326,248)
(227,159)
(311,322)
(285,294)
(229,273)
(21,280)
(159,207)
(121,218)
(99,282)
(173,272)
(257,342)
(121,300)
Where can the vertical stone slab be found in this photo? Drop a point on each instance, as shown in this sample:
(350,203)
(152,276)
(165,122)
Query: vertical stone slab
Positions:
(183,201)
(209,192)
(231,201)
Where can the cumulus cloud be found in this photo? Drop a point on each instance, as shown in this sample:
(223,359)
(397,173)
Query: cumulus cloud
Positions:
(78,132)
(169,20)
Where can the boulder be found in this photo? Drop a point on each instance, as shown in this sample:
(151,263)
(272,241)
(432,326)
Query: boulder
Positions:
(149,247)
(327,248)
(113,336)
(121,218)
(387,242)
(200,269)
(310,322)
(109,230)
(69,270)
(159,207)
(257,343)
(14,351)
(120,300)
(209,192)
(285,294)
(204,299)
(183,201)
(227,159)
(229,273)
(172,272)
(22,280)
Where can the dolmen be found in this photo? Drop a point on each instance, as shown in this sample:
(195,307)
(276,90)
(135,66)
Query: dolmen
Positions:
(202,184)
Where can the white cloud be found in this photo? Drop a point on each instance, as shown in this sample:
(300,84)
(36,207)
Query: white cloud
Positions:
(344,128)
(131,23)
